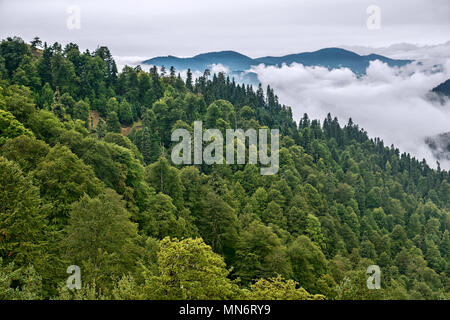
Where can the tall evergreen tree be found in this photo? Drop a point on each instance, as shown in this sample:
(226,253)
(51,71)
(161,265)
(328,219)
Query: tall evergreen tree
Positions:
(189,79)
(112,123)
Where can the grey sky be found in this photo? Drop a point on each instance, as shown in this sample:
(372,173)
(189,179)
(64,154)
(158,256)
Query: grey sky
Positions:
(148,28)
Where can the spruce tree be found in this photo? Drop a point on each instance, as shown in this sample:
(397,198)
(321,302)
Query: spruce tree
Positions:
(189,79)
(112,123)
(146,145)
(100,129)
(125,113)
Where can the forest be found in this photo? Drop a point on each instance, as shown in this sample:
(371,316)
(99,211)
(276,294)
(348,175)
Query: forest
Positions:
(87,180)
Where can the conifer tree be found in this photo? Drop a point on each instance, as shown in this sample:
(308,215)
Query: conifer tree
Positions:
(146,145)
(125,113)
(189,79)
(112,123)
(100,129)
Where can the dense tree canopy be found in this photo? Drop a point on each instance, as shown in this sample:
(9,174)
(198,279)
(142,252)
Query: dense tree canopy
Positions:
(86,179)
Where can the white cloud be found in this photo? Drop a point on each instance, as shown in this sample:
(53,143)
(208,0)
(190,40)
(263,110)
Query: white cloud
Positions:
(390,103)
(406,51)
(122,61)
(216,68)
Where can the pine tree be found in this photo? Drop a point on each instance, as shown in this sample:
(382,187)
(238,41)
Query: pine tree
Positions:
(100,129)
(260,95)
(163,71)
(146,145)
(81,111)
(189,80)
(21,220)
(57,107)
(125,113)
(112,123)
(36,43)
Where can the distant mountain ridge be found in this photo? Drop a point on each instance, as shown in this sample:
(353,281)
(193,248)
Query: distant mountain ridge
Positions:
(233,60)
(443,89)
(440,144)
(331,58)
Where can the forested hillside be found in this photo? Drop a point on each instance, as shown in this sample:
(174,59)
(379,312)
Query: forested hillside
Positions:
(87,180)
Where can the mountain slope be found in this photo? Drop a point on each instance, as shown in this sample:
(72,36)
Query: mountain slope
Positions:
(330,58)
(443,88)
(231,59)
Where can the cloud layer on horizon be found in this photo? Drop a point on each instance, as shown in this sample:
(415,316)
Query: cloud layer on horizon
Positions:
(406,50)
(390,103)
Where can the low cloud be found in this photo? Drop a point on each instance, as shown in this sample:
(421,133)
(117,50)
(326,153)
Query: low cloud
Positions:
(122,61)
(216,68)
(390,103)
(407,51)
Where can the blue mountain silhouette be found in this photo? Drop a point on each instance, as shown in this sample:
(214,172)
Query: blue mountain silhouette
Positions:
(236,62)
(443,88)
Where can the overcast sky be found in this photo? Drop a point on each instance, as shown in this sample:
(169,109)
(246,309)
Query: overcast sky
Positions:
(148,28)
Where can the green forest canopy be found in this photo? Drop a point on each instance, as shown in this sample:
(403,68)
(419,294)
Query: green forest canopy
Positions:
(86,180)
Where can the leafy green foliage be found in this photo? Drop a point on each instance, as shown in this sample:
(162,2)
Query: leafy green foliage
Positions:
(21,223)
(99,233)
(19,283)
(10,127)
(86,179)
(189,269)
(278,289)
